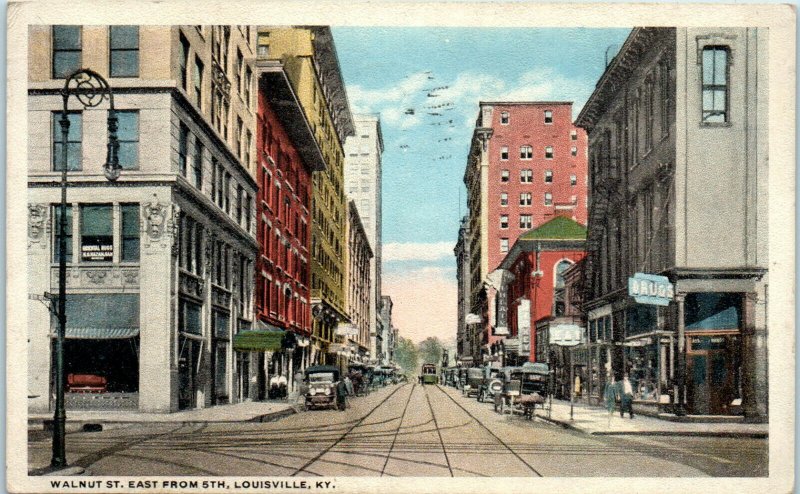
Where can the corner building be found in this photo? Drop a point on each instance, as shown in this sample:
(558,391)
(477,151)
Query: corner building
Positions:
(151,320)
(527,165)
(675,111)
(308,55)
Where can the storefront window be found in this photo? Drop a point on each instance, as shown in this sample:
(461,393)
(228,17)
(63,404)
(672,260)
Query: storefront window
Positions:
(97,240)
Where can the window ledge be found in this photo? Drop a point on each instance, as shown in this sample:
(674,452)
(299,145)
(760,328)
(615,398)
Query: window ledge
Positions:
(715,124)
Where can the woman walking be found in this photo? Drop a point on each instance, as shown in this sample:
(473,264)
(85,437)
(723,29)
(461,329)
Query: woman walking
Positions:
(610,396)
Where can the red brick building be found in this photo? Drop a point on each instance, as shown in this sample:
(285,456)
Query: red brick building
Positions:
(287,154)
(527,165)
(537,262)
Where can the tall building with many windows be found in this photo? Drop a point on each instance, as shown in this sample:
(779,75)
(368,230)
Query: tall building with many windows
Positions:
(362,175)
(308,56)
(526,165)
(160,262)
(359,282)
(678,188)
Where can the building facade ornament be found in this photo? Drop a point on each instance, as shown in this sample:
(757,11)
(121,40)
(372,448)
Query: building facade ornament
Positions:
(37,222)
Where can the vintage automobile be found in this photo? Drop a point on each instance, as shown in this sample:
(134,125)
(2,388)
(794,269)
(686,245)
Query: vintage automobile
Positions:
(534,377)
(509,391)
(321,381)
(491,384)
(429,374)
(358,375)
(473,381)
(528,387)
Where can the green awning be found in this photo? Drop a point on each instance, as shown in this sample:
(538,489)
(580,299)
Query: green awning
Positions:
(101,316)
(258,341)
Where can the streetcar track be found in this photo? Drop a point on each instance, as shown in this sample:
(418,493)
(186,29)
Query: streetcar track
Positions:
(438,431)
(326,450)
(490,432)
(399,425)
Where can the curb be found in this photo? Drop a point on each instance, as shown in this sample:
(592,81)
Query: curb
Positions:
(266,417)
(726,434)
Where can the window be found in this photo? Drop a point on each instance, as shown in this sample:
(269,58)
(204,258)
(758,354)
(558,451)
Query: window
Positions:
(504,118)
(548,152)
(504,221)
(130,232)
(548,199)
(66,50)
(124,57)
(97,233)
(525,199)
(715,84)
(503,245)
(128,136)
(184,64)
(504,153)
(504,176)
(67,233)
(246,214)
(548,176)
(197,163)
(526,176)
(525,152)
(664,96)
(573,180)
(198,82)
(649,112)
(239,142)
(239,67)
(504,199)
(573,134)
(74,137)
(548,116)
(574,151)
(183,148)
(262,48)
(226,190)
(248,81)
(239,197)
(248,140)
(525,221)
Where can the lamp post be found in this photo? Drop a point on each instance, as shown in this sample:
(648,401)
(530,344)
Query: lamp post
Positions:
(91,90)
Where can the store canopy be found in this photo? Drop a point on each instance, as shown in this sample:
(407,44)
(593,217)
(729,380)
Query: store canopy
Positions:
(258,341)
(102,316)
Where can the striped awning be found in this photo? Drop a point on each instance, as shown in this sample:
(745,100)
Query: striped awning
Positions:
(258,341)
(101,316)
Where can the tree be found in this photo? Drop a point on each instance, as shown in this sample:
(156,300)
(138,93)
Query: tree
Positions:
(405,355)
(430,351)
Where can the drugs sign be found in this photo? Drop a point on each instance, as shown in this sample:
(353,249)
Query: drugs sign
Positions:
(650,289)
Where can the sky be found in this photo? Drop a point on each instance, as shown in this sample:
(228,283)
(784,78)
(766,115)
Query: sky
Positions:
(426,84)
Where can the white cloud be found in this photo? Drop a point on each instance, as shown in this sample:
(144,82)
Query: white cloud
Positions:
(465,91)
(424,302)
(416,251)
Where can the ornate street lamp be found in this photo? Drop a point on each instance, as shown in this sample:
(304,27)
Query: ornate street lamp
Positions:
(91,90)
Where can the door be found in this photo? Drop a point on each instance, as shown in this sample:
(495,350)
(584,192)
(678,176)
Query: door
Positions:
(262,378)
(187,373)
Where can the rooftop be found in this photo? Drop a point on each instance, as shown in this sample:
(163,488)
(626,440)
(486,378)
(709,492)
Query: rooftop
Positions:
(559,228)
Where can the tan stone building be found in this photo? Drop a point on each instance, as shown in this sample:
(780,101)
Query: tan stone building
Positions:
(359,283)
(154,315)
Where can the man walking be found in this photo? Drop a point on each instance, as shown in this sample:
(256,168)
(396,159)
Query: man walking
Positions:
(627,397)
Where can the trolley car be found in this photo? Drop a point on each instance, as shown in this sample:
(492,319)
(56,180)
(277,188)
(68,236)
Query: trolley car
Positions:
(429,374)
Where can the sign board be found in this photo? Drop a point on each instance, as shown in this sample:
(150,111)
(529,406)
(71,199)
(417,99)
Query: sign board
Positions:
(566,334)
(651,289)
(97,251)
(346,330)
(524,326)
(708,342)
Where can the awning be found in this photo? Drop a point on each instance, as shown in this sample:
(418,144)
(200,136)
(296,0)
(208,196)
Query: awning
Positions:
(258,341)
(101,316)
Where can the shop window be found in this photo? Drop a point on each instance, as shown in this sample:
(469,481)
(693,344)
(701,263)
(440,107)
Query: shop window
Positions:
(68,232)
(128,136)
(124,53)
(74,138)
(713,311)
(130,232)
(66,50)
(97,233)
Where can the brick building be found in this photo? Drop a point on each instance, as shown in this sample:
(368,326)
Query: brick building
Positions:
(527,165)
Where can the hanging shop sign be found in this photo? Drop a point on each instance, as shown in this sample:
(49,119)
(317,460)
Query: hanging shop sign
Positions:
(566,334)
(98,248)
(524,326)
(651,289)
(346,329)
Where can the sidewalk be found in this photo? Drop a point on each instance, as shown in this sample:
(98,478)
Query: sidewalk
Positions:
(594,420)
(250,411)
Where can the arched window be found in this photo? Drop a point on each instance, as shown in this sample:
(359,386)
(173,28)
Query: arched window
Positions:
(559,297)
(562,266)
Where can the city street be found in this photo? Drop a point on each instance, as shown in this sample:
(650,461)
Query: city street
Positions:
(402,430)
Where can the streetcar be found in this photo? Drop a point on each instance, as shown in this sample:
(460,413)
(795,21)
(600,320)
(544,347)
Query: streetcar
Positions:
(429,374)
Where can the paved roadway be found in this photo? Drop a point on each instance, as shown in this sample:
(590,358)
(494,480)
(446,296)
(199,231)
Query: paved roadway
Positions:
(407,430)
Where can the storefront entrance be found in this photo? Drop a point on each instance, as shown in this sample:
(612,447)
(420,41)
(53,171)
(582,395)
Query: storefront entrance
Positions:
(713,366)
(188,364)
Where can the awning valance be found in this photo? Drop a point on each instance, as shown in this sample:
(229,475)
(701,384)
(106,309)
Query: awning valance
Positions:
(102,316)
(258,341)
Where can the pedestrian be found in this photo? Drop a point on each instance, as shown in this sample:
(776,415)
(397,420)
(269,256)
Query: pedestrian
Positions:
(341,395)
(283,385)
(348,385)
(610,396)
(273,387)
(626,397)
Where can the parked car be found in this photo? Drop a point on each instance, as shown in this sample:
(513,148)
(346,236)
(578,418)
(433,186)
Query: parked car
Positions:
(491,384)
(321,381)
(473,381)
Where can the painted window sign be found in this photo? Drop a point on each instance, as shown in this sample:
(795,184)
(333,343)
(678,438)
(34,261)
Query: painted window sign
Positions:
(650,289)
